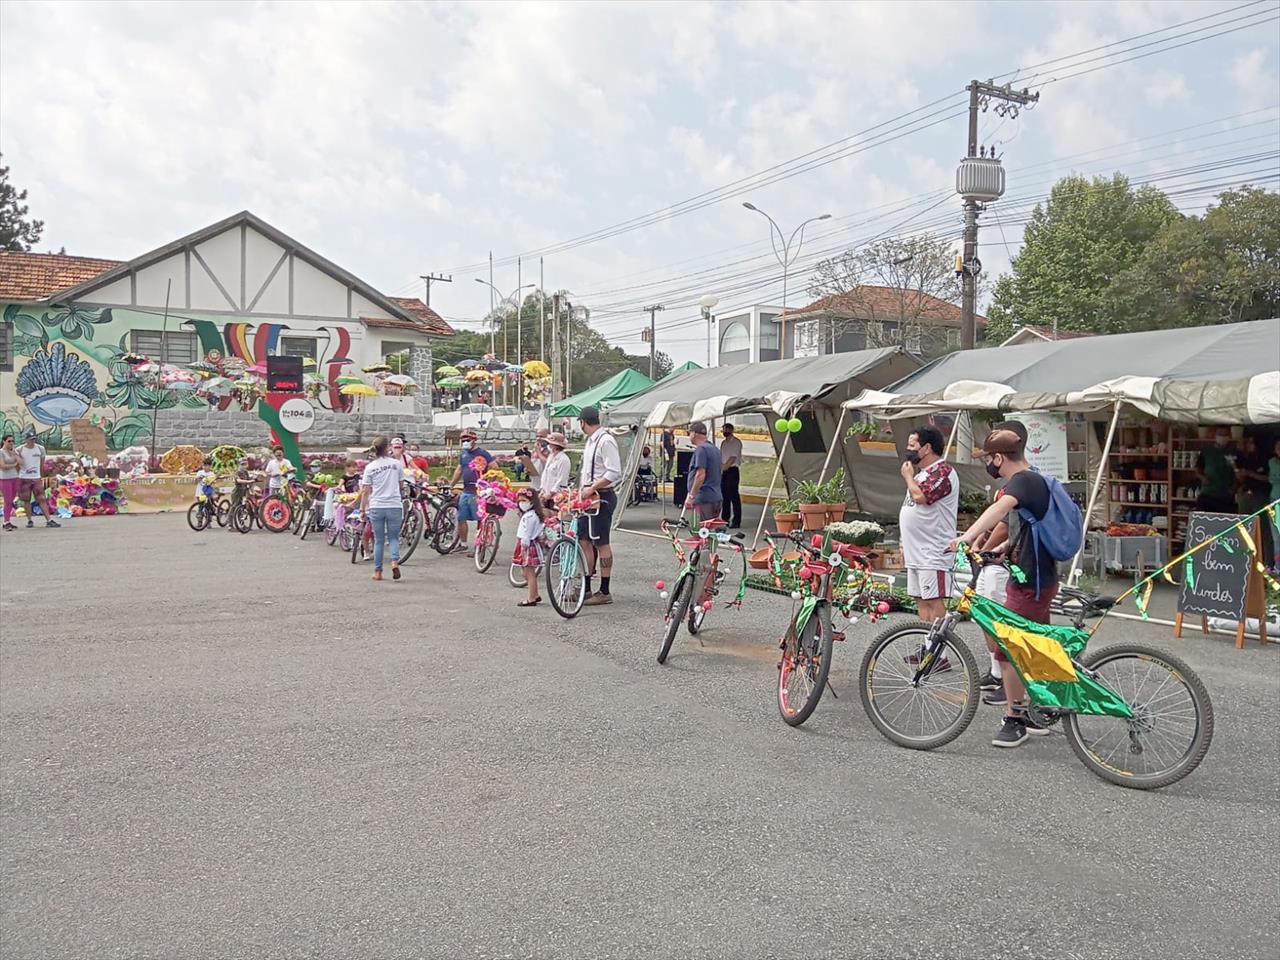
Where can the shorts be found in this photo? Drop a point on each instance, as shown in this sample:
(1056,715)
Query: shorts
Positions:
(596,528)
(993,582)
(709,511)
(28,487)
(468,509)
(928,584)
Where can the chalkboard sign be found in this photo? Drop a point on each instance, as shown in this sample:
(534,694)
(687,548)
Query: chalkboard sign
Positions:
(284,374)
(1220,573)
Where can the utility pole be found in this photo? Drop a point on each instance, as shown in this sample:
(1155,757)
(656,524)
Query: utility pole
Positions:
(542,311)
(568,351)
(652,334)
(1009,101)
(438,278)
(492,319)
(555,348)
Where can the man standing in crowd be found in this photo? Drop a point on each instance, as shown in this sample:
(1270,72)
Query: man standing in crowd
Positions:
(278,470)
(1004,455)
(469,472)
(30,480)
(1217,475)
(668,453)
(730,461)
(927,521)
(601,469)
(704,475)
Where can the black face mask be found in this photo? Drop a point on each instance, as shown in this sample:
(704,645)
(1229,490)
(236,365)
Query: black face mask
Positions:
(993,471)
(913,456)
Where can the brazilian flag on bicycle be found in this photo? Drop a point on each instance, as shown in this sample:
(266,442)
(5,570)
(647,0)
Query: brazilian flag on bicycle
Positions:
(1042,654)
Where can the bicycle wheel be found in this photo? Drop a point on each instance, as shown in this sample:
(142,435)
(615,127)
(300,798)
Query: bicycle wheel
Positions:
(198,516)
(566,580)
(242,518)
(515,575)
(926,714)
(444,535)
(360,545)
(697,610)
(805,664)
(345,536)
(223,513)
(487,539)
(300,511)
(677,608)
(410,533)
(1172,725)
(275,514)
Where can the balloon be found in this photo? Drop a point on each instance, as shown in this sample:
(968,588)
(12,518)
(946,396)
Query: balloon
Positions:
(781,425)
(794,425)
(882,607)
(660,585)
(664,594)
(795,594)
(708,606)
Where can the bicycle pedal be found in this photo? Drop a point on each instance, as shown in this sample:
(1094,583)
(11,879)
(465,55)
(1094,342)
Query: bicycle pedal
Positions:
(837,636)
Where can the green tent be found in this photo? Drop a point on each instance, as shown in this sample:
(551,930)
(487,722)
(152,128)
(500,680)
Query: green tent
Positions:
(683,368)
(623,384)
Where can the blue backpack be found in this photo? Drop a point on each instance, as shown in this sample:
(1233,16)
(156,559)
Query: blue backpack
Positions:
(1061,530)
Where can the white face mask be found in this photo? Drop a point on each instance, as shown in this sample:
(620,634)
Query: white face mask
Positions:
(466,444)
(525,506)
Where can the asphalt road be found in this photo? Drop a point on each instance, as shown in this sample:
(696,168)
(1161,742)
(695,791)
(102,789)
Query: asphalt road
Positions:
(217,746)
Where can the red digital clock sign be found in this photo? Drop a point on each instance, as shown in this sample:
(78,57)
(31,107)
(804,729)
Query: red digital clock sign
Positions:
(284,374)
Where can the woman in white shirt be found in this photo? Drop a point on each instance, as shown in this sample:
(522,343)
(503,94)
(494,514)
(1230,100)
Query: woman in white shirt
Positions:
(554,476)
(380,502)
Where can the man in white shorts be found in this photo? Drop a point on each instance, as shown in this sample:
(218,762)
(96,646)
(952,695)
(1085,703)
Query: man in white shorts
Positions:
(927,521)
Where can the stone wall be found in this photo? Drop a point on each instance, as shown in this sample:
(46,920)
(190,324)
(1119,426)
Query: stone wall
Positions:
(208,428)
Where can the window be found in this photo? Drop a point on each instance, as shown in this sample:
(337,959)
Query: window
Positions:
(175,346)
(807,339)
(6,346)
(298,347)
(735,337)
(953,338)
(768,331)
(912,339)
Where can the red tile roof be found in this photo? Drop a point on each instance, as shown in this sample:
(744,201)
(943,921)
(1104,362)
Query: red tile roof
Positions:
(416,308)
(881,303)
(34,276)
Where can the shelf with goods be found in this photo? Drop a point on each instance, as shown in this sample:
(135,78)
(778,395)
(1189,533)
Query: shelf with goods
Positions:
(1138,484)
(1185,446)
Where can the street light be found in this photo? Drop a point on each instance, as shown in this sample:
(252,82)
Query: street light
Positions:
(785,259)
(708,302)
(501,299)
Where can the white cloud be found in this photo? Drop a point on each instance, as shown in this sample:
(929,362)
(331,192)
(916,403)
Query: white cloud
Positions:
(1165,86)
(1256,83)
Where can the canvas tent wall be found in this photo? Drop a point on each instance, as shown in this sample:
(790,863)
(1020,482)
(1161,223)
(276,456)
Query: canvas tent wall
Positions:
(623,384)
(813,388)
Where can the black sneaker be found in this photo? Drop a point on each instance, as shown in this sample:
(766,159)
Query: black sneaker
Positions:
(990,681)
(10,526)
(53,523)
(996,698)
(1012,734)
(1034,729)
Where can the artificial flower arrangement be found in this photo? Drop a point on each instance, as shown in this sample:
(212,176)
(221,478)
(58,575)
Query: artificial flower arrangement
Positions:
(225,458)
(859,533)
(494,493)
(182,459)
(327,480)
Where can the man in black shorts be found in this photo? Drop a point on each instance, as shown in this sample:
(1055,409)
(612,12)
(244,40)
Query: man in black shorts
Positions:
(601,469)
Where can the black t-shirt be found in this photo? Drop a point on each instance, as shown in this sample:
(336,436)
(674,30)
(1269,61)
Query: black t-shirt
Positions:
(1254,463)
(1032,493)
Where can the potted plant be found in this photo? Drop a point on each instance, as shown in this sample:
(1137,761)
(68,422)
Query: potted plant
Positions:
(970,507)
(834,497)
(859,533)
(786,514)
(813,512)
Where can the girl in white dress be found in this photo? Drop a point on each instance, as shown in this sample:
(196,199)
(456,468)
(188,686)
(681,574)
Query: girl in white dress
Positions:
(529,534)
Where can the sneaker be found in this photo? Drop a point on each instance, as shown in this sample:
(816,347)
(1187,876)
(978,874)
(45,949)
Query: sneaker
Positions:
(460,548)
(598,600)
(10,526)
(1034,729)
(996,698)
(53,523)
(1012,734)
(30,524)
(990,681)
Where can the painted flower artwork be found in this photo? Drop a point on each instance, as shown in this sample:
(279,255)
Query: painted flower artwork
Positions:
(56,385)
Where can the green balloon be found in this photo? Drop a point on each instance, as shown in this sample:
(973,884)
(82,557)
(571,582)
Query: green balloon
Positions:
(781,425)
(794,425)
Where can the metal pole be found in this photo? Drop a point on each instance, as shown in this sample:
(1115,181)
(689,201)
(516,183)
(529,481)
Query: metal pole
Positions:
(706,313)
(955,428)
(568,353)
(555,349)
(786,437)
(542,311)
(519,339)
(835,442)
(164,336)
(1075,572)
(492,319)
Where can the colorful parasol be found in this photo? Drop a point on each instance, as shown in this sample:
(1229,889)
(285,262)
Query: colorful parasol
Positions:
(477,376)
(402,380)
(347,378)
(358,390)
(376,368)
(448,371)
(451,383)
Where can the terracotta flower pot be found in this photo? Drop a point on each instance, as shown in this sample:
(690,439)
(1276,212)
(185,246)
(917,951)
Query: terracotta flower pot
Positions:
(834,511)
(786,522)
(813,515)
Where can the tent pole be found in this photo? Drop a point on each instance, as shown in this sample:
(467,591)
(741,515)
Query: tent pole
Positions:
(786,438)
(835,441)
(955,428)
(1074,573)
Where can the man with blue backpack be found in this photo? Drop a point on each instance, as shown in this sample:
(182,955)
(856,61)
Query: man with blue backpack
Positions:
(1045,526)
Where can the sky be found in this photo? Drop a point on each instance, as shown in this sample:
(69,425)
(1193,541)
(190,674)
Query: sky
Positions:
(401,138)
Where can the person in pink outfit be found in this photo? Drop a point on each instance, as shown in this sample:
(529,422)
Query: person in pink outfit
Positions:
(9,479)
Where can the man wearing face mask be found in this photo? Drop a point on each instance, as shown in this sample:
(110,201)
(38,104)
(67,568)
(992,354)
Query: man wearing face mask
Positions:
(467,471)
(1217,475)
(927,521)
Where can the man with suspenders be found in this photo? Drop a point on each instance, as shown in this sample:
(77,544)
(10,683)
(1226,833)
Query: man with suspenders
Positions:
(601,469)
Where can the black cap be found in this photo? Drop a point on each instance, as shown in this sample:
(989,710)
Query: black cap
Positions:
(590,415)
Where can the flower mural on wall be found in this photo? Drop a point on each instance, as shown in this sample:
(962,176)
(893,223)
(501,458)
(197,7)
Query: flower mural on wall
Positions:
(76,322)
(56,385)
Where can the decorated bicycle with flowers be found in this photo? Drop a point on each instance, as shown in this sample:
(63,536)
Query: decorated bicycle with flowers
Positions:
(565,567)
(701,574)
(494,497)
(1133,714)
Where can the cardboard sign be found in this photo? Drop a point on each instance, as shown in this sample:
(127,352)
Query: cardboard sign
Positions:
(88,439)
(284,374)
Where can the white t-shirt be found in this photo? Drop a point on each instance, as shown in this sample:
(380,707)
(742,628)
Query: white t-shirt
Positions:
(731,447)
(276,471)
(927,528)
(555,474)
(384,477)
(530,527)
(9,464)
(29,459)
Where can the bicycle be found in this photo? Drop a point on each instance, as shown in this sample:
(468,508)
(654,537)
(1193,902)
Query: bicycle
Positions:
(700,573)
(515,575)
(819,580)
(209,507)
(444,527)
(566,565)
(1125,709)
(491,505)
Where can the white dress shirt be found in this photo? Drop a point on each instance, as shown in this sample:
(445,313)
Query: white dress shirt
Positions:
(600,459)
(554,475)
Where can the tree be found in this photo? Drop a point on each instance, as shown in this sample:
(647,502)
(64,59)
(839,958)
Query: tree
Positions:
(1076,244)
(1223,267)
(16,231)
(896,284)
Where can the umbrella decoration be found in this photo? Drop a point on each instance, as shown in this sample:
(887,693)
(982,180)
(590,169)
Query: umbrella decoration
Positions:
(217,387)
(376,368)
(468,364)
(402,380)
(347,379)
(451,383)
(308,362)
(477,376)
(358,390)
(448,371)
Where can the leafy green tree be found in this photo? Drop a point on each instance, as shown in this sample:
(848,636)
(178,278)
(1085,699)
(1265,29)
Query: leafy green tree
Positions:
(17,231)
(1086,235)
(1222,267)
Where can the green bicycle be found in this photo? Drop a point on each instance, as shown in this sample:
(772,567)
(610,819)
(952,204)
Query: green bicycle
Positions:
(699,579)
(566,564)
(1134,715)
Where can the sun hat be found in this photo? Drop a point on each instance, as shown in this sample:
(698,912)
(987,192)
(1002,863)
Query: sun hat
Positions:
(557,440)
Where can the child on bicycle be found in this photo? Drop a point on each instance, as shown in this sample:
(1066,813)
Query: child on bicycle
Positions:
(244,482)
(529,537)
